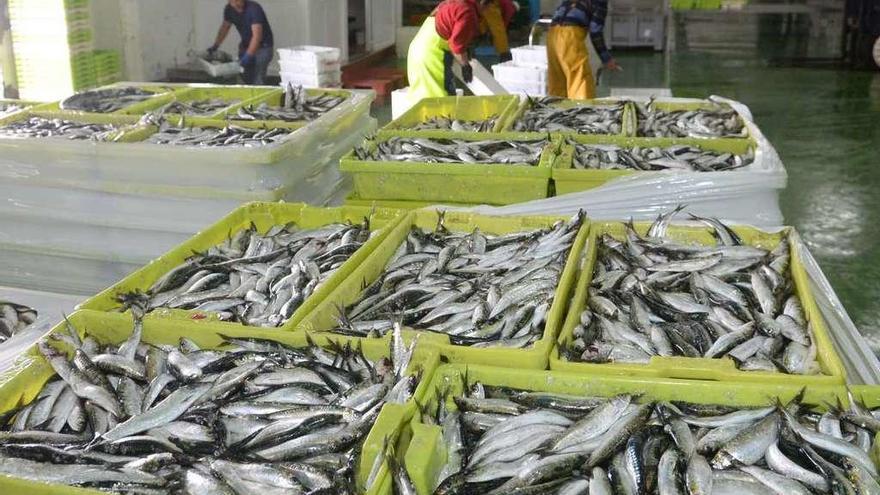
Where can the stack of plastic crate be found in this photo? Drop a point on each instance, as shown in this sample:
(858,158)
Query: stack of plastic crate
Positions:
(311,66)
(108,67)
(53,43)
(526,73)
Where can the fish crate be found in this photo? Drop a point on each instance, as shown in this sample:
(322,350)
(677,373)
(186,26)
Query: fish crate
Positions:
(348,292)
(263,216)
(427,453)
(125,124)
(163,95)
(568,179)
(705,369)
(22,382)
(667,106)
(354,200)
(494,184)
(468,108)
(275,98)
(24,105)
(232,96)
(627,123)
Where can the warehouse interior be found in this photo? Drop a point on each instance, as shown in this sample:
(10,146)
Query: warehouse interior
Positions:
(439,247)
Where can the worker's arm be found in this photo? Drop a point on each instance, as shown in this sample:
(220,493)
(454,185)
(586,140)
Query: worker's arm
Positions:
(221,35)
(256,39)
(597,33)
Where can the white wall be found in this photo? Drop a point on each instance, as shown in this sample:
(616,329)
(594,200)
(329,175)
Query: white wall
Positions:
(156,35)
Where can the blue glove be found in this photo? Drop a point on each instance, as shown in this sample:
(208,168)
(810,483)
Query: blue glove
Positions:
(246,59)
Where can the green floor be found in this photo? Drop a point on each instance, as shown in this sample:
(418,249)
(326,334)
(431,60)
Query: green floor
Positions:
(825,123)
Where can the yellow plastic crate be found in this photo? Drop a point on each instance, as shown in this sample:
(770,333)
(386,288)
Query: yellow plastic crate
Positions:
(234,96)
(346,293)
(163,96)
(447,182)
(568,179)
(354,200)
(125,123)
(426,454)
(719,370)
(263,216)
(458,107)
(627,125)
(675,106)
(275,98)
(23,381)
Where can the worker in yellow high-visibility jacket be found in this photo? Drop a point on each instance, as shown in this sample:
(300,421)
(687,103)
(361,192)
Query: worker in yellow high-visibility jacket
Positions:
(569,74)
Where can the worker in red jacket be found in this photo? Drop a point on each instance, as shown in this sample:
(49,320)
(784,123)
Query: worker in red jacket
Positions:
(497,16)
(443,40)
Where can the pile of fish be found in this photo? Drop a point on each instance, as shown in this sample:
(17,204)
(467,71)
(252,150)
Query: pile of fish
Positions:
(673,158)
(9,108)
(255,279)
(479,290)
(214,137)
(457,125)
(705,123)
(14,318)
(654,296)
(429,150)
(199,108)
(543,116)
(252,417)
(502,441)
(297,106)
(106,100)
(39,127)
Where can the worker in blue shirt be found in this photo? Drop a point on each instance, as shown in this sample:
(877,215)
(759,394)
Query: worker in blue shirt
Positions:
(568,60)
(255,51)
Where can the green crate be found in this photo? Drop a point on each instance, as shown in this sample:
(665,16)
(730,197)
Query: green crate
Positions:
(275,98)
(264,216)
(426,453)
(627,124)
(446,182)
(125,123)
(457,107)
(698,105)
(24,380)
(163,96)
(568,179)
(347,292)
(354,200)
(719,370)
(243,95)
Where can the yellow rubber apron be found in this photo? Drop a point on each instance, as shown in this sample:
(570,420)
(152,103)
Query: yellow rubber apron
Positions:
(568,64)
(424,65)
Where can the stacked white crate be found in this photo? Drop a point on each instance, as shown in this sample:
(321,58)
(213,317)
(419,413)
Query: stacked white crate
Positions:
(311,66)
(526,73)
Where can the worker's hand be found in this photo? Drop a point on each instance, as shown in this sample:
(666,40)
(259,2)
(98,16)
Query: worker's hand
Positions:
(212,50)
(467,73)
(246,59)
(612,66)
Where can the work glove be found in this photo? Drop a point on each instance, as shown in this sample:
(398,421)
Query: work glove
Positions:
(467,73)
(246,59)
(212,50)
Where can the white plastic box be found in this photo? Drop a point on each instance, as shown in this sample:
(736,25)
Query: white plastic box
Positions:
(510,71)
(530,56)
(309,69)
(525,88)
(322,80)
(322,58)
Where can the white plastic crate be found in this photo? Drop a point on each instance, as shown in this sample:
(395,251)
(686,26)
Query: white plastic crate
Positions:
(530,56)
(324,80)
(510,71)
(293,67)
(322,58)
(524,88)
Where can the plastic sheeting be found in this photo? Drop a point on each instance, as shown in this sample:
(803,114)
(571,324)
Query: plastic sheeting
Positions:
(50,308)
(749,195)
